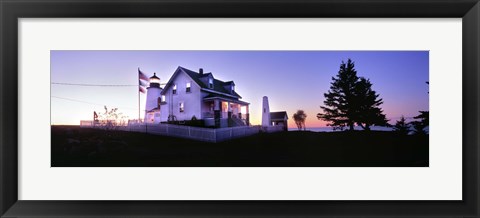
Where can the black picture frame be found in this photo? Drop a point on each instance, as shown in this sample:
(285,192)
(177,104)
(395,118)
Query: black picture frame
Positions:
(11,11)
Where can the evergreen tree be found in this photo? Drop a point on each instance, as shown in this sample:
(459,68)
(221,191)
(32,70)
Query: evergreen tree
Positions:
(421,123)
(401,126)
(422,120)
(339,107)
(351,101)
(369,112)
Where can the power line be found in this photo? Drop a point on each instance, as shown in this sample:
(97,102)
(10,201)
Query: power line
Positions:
(98,85)
(84,84)
(86,102)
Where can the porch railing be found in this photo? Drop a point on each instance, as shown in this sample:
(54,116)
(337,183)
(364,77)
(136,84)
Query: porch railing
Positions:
(208,114)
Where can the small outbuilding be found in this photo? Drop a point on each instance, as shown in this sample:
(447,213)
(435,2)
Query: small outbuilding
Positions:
(279,118)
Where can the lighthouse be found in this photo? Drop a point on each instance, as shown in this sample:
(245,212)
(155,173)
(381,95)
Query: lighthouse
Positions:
(152,106)
(265,112)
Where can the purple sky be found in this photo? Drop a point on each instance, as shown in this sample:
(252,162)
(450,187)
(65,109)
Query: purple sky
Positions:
(291,79)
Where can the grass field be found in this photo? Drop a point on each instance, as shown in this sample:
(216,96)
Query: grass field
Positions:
(73,146)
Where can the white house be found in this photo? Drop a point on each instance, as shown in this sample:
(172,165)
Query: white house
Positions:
(196,96)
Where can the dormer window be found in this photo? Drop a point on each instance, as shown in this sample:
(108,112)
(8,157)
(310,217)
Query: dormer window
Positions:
(233,89)
(210,83)
(174,91)
(188,87)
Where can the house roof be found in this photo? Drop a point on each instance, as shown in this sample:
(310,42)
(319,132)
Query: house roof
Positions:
(279,115)
(217,84)
(213,96)
(154,110)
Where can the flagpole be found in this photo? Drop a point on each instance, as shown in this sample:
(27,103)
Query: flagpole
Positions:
(138,90)
(138,103)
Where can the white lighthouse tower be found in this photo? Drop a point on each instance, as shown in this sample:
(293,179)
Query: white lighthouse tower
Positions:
(152,106)
(265,113)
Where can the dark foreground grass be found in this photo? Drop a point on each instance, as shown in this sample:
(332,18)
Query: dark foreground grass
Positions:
(78,147)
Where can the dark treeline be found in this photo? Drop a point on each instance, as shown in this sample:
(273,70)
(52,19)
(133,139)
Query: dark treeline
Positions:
(351,101)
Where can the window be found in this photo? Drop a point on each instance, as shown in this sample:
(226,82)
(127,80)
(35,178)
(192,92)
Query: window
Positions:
(188,86)
(181,106)
(163,98)
(225,106)
(174,91)
(210,83)
(243,109)
(233,88)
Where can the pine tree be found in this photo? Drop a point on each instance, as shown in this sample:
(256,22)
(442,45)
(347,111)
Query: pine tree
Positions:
(401,126)
(368,104)
(339,100)
(421,123)
(351,101)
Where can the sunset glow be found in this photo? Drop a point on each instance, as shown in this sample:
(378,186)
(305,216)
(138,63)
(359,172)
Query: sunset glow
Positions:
(292,80)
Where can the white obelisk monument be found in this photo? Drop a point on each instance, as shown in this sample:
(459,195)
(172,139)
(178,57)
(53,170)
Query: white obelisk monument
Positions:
(266,113)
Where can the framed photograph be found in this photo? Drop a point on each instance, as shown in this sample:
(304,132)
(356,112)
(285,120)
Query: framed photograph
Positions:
(196,119)
(226,108)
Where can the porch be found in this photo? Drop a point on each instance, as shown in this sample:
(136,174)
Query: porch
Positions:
(223,112)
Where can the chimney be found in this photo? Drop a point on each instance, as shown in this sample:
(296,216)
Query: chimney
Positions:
(200,71)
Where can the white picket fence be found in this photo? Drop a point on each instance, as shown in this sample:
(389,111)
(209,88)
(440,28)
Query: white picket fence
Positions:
(196,133)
